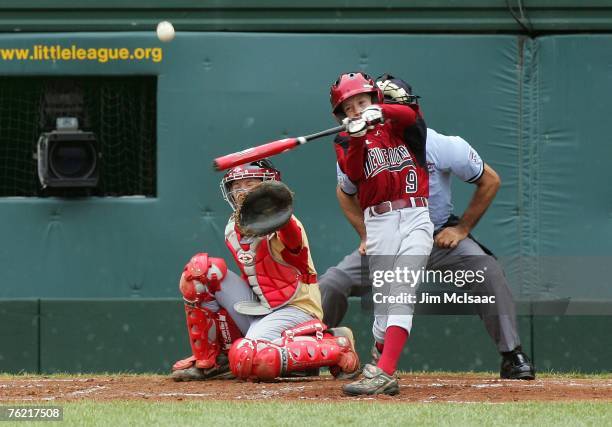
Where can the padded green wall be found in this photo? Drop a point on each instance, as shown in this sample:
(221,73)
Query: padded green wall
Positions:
(535,109)
(218,93)
(144,335)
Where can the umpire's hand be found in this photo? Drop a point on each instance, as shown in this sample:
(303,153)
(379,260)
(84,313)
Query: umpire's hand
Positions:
(450,237)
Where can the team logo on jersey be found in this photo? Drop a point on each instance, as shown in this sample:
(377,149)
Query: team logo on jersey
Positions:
(392,159)
(474,157)
(246,258)
(431,167)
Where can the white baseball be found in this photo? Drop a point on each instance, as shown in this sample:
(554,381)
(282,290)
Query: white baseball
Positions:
(165,31)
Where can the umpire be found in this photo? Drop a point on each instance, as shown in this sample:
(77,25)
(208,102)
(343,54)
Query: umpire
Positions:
(454,248)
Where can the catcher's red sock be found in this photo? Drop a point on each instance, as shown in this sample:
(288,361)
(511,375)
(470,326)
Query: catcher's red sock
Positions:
(379,346)
(395,339)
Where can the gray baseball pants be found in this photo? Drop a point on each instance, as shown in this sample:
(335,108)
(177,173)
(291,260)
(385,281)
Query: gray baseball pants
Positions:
(344,280)
(268,327)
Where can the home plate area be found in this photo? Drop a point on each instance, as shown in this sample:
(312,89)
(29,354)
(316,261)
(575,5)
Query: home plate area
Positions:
(418,388)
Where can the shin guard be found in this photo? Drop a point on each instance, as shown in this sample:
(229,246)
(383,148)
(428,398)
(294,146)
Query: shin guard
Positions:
(203,335)
(265,360)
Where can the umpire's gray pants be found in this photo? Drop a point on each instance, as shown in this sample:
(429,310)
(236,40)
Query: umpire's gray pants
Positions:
(345,279)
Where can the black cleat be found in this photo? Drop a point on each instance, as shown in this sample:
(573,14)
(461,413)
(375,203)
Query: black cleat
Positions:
(221,370)
(516,366)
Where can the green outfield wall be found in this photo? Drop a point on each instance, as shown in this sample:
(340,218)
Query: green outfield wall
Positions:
(90,284)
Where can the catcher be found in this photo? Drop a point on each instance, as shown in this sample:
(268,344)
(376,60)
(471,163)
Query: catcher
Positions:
(265,323)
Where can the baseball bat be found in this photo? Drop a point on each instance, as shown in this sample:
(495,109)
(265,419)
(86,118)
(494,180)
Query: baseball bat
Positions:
(269,149)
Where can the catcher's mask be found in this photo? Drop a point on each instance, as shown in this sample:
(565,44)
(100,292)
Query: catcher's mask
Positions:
(350,84)
(396,91)
(262,169)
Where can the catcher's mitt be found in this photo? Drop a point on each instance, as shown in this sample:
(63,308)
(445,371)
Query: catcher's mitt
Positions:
(265,209)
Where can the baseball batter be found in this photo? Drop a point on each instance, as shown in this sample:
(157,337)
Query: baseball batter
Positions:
(265,323)
(454,247)
(392,185)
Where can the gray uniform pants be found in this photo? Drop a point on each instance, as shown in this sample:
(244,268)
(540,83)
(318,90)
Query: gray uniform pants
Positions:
(345,279)
(268,327)
(399,239)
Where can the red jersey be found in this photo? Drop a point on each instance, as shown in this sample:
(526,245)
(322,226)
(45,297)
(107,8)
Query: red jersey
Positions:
(388,162)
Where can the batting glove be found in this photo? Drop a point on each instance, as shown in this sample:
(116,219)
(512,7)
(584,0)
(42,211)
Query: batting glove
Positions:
(373,115)
(355,127)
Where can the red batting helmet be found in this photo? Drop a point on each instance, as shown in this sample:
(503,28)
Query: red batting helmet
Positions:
(258,169)
(350,84)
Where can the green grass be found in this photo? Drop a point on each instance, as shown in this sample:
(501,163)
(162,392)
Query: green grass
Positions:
(365,413)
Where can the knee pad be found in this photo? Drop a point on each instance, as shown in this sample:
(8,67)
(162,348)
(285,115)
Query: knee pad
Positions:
(205,268)
(202,277)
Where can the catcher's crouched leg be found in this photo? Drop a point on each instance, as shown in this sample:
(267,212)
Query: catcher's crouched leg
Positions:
(211,330)
(209,359)
(298,350)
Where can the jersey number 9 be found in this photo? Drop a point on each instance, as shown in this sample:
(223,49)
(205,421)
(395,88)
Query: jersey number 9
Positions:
(411,182)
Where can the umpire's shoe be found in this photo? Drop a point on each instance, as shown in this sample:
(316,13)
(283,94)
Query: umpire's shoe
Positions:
(221,370)
(374,381)
(516,366)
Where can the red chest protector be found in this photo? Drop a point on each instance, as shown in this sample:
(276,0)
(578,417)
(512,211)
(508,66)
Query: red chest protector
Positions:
(274,281)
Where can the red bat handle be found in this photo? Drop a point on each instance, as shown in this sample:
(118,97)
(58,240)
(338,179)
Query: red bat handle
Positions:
(255,153)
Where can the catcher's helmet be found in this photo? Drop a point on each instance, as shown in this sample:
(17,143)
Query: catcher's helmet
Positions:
(396,91)
(258,169)
(350,84)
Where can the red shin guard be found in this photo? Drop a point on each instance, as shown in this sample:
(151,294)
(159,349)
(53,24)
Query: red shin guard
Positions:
(264,360)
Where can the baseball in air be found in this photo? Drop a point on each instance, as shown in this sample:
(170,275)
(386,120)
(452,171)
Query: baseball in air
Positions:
(165,31)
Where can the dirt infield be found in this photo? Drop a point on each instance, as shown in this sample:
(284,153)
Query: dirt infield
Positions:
(414,388)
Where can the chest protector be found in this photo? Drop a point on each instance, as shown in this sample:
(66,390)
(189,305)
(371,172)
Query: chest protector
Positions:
(274,281)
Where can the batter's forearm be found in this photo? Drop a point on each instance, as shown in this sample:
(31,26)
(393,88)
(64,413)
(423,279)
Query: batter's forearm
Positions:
(352,211)
(402,115)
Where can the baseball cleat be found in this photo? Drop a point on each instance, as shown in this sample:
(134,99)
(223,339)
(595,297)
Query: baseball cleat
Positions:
(374,381)
(221,370)
(516,366)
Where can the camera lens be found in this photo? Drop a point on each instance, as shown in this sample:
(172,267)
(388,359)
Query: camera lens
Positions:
(72,159)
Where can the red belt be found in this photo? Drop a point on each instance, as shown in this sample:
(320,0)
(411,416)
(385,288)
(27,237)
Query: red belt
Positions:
(388,206)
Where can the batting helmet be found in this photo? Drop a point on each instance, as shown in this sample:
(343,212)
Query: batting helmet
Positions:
(350,84)
(258,169)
